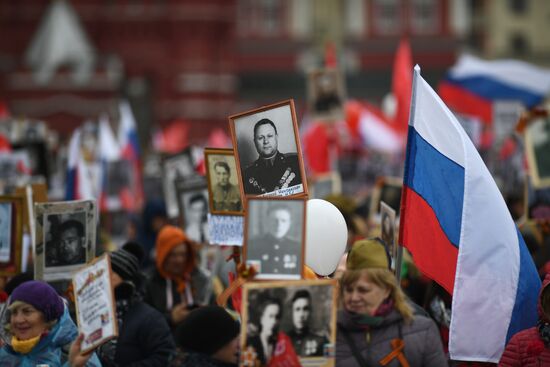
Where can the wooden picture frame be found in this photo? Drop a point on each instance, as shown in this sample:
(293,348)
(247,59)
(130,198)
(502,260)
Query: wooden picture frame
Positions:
(95,303)
(326,94)
(11,234)
(192,201)
(220,166)
(388,231)
(317,347)
(282,173)
(387,189)
(65,235)
(180,166)
(274,237)
(317,186)
(537,146)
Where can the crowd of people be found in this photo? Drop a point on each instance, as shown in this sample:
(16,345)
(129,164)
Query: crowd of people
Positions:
(167,315)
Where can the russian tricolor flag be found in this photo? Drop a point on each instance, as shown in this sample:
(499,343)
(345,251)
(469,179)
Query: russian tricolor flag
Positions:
(456,224)
(129,144)
(472,85)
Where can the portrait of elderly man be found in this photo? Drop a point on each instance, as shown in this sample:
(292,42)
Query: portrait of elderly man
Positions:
(225,195)
(306,343)
(275,250)
(272,170)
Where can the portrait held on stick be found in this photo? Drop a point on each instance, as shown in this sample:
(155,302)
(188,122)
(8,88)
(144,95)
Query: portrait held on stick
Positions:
(192,199)
(65,238)
(289,320)
(268,153)
(326,94)
(11,233)
(175,167)
(275,237)
(223,182)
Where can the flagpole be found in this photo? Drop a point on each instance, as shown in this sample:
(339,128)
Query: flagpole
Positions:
(399,260)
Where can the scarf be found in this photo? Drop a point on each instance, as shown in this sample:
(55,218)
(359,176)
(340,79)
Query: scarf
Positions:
(24,346)
(368,321)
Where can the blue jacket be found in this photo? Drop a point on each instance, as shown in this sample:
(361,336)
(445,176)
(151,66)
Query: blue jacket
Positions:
(51,350)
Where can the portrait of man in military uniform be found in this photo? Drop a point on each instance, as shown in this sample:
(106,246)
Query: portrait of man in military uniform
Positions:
(225,196)
(306,342)
(268,152)
(276,249)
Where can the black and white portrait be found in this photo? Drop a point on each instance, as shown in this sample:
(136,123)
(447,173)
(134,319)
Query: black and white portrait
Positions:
(193,203)
(387,231)
(268,151)
(223,183)
(274,242)
(326,94)
(5,231)
(174,168)
(65,238)
(301,313)
(537,142)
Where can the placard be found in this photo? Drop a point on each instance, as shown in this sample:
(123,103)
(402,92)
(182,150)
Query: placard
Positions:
(94,300)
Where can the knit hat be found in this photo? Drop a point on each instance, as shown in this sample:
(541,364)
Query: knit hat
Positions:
(41,296)
(206,330)
(168,238)
(126,260)
(367,254)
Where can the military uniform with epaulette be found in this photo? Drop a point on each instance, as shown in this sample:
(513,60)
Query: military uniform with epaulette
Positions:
(307,344)
(267,175)
(226,198)
(276,255)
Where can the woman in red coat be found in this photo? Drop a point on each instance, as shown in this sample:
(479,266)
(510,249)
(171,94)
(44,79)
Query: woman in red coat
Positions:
(531,347)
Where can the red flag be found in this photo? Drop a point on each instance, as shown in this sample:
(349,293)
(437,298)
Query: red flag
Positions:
(316,148)
(402,84)
(331,60)
(284,354)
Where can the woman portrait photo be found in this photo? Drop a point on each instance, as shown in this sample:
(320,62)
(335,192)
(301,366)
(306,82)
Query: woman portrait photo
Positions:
(263,327)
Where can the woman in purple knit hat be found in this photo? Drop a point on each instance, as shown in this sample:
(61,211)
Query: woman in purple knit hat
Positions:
(41,331)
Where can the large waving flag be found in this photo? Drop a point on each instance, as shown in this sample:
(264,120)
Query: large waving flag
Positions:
(460,233)
(472,85)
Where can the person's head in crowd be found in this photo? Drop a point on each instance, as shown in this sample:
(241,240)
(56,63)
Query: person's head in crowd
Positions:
(301,310)
(210,331)
(17,280)
(268,317)
(176,257)
(154,216)
(368,282)
(72,242)
(34,308)
(265,138)
(125,263)
(279,221)
(198,209)
(222,172)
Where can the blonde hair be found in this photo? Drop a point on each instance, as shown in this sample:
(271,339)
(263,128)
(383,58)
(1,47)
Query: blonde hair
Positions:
(17,304)
(383,278)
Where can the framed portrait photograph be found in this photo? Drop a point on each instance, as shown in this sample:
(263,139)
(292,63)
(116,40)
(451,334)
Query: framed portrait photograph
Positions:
(11,234)
(284,316)
(388,190)
(326,94)
(175,167)
(388,232)
(324,185)
(267,151)
(38,154)
(65,235)
(223,182)
(95,303)
(537,145)
(275,237)
(192,199)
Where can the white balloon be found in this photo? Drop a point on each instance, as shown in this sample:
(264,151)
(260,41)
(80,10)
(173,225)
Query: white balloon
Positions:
(326,236)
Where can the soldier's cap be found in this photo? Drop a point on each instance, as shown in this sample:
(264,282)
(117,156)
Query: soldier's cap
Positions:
(368,254)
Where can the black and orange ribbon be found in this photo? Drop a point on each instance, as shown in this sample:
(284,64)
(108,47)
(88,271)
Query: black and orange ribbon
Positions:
(398,345)
(244,273)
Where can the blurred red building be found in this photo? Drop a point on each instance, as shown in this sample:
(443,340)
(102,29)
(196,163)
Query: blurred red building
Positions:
(201,60)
